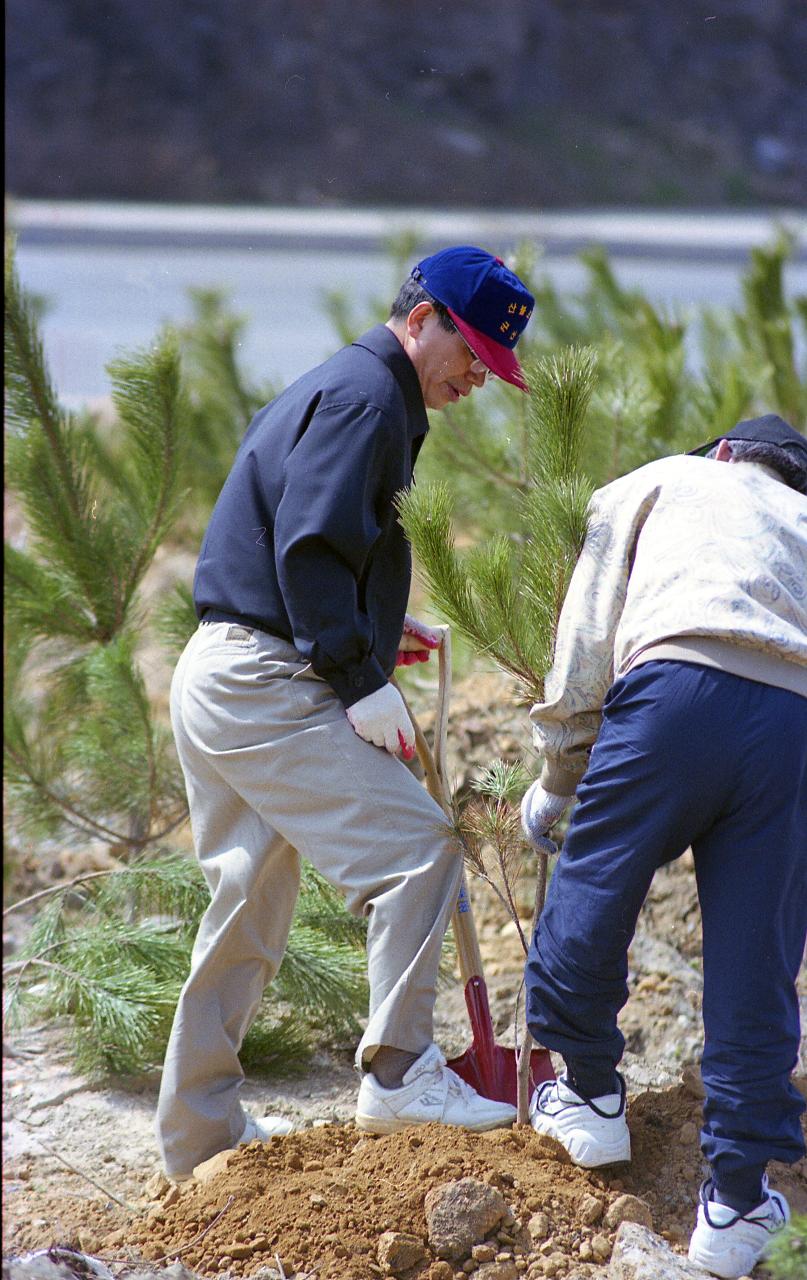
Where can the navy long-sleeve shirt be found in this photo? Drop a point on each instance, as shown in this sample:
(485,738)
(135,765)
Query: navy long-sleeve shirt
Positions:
(304,541)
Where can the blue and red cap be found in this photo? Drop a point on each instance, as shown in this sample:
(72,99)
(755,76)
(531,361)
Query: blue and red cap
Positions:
(487,302)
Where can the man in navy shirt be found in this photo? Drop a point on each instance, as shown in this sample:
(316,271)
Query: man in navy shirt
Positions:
(287,725)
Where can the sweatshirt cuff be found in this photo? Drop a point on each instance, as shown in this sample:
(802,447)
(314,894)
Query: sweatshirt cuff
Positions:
(351,684)
(560,781)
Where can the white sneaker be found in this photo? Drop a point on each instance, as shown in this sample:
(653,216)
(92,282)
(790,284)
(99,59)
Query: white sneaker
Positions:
(430,1093)
(730,1244)
(594,1131)
(264,1129)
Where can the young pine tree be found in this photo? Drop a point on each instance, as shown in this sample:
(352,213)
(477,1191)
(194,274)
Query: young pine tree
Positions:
(87,760)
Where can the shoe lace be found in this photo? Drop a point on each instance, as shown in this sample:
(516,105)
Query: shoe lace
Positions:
(459,1087)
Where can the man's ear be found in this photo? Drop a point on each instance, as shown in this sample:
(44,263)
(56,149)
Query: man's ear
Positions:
(724,452)
(417,318)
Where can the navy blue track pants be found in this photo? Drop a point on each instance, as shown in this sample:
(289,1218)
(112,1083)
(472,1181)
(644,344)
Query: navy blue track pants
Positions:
(690,756)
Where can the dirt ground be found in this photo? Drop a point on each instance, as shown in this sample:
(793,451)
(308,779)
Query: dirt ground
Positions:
(81,1165)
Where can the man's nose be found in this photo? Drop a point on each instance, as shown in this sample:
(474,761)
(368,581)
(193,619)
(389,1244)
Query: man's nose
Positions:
(477,373)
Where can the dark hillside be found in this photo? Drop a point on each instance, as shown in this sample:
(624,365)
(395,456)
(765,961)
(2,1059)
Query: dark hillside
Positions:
(521,103)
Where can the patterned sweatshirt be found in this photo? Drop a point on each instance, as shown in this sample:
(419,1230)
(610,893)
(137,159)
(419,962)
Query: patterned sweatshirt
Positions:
(686,559)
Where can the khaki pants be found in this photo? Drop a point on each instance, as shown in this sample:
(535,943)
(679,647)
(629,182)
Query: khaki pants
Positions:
(273,771)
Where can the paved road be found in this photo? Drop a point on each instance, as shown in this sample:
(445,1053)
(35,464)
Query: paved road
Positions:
(113,274)
(694,236)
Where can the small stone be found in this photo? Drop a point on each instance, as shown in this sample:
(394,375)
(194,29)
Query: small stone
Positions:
(469,1265)
(238,1251)
(538,1226)
(398,1251)
(484,1253)
(318,1201)
(586,1251)
(504,1256)
(688,1133)
(497,1271)
(591,1210)
(628,1208)
(311,1166)
(441,1271)
(156,1187)
(216,1164)
(601,1247)
(461,1214)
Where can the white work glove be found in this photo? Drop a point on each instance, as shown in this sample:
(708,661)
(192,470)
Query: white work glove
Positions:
(417,642)
(540,810)
(382,718)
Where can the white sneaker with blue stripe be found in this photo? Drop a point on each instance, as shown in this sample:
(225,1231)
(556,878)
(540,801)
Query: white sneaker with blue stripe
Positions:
(594,1131)
(729,1244)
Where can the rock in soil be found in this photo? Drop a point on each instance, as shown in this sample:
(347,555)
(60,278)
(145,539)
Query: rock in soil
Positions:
(629,1209)
(505,1270)
(639,1254)
(462,1214)
(398,1251)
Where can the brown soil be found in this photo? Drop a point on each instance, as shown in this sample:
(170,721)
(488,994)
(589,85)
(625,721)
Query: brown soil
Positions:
(319,1200)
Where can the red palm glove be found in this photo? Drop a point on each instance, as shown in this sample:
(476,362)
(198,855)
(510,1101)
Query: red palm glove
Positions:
(417,642)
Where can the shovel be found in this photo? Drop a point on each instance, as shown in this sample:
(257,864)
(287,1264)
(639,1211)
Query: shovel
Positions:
(489,1068)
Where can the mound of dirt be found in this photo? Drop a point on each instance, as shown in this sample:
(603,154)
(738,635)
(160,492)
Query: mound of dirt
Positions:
(315,1203)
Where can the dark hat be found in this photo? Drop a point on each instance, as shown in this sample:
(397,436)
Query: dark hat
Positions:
(770,429)
(487,302)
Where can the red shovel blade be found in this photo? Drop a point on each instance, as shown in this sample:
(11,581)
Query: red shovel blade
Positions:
(488,1067)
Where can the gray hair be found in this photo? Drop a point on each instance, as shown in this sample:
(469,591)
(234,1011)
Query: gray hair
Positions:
(790,471)
(409,295)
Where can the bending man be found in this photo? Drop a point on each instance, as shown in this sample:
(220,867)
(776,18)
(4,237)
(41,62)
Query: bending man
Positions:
(681,668)
(288,727)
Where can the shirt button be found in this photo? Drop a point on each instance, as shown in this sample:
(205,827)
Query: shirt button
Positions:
(357,682)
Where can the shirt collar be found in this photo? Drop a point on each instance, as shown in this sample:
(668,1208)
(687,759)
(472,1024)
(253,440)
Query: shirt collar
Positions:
(382,342)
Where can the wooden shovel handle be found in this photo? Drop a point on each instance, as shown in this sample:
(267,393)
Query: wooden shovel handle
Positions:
(437,784)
